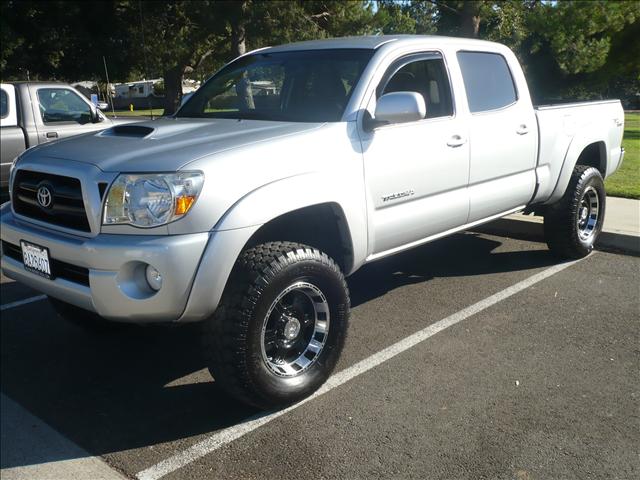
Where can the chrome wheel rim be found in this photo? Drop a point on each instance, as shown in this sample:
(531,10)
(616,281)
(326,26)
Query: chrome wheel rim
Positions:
(588,213)
(295,329)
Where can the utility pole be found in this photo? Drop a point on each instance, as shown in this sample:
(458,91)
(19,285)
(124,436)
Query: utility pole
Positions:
(106,72)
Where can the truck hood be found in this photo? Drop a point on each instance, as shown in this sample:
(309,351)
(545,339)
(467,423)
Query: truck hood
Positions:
(166,144)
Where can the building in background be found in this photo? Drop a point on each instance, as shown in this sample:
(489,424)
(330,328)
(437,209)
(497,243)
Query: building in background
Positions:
(142,94)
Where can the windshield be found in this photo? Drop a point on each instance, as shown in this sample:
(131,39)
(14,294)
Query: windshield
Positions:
(302,86)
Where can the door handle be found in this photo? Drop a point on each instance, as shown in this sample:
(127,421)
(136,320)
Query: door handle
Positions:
(456,141)
(522,130)
(52,135)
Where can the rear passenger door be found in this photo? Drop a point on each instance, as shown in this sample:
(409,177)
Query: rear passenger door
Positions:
(503,136)
(416,173)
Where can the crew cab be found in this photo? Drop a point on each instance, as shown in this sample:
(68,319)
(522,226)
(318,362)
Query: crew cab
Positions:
(32,113)
(289,169)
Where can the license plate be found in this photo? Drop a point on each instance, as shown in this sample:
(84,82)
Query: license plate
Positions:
(36,259)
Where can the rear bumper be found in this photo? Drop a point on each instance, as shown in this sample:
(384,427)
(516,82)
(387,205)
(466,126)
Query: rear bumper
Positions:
(114,286)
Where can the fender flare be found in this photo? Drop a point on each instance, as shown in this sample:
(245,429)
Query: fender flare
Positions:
(274,199)
(243,219)
(577,145)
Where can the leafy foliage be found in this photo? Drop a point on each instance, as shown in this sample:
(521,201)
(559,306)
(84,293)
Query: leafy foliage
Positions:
(577,49)
(578,33)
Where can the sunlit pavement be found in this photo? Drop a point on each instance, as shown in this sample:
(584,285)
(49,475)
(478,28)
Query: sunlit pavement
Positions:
(540,384)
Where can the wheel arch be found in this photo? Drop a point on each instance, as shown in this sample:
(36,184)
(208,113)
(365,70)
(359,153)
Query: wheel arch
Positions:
(589,149)
(594,155)
(322,225)
(312,209)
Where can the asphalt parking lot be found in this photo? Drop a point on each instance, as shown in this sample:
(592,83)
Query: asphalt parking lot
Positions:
(540,382)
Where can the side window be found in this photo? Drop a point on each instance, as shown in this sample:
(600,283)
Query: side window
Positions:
(60,105)
(487,80)
(4,104)
(428,77)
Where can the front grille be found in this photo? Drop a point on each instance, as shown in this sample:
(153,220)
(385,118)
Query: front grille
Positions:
(59,269)
(67,207)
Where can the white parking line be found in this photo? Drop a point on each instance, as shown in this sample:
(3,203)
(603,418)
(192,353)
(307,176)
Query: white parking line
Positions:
(223,437)
(31,449)
(22,302)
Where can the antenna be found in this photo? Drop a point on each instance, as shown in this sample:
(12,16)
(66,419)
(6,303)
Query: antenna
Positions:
(144,55)
(106,72)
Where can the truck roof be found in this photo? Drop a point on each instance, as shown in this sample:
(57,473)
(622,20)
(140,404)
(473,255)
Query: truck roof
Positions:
(36,82)
(373,42)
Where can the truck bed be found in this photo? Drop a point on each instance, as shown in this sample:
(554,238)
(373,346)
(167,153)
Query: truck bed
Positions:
(565,127)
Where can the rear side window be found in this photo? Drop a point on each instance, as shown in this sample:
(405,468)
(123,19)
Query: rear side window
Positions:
(428,77)
(4,104)
(487,80)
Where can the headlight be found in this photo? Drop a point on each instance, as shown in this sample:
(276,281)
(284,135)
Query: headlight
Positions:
(150,200)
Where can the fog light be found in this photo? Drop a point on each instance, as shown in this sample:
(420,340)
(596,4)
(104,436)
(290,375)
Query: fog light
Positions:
(154,278)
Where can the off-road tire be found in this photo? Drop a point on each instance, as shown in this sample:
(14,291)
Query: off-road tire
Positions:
(561,230)
(233,336)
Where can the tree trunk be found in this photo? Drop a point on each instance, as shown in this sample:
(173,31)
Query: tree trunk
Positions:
(239,47)
(173,89)
(470,19)
(238,30)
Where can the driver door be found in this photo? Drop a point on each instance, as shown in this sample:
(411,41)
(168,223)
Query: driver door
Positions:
(63,113)
(416,173)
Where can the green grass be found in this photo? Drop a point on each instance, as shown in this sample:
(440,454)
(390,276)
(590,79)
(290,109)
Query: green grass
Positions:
(157,112)
(626,181)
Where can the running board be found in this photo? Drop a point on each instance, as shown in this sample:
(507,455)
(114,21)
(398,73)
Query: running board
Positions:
(467,226)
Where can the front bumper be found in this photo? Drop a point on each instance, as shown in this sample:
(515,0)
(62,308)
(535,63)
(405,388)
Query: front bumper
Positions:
(116,288)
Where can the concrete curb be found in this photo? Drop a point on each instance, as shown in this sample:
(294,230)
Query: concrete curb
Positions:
(531,228)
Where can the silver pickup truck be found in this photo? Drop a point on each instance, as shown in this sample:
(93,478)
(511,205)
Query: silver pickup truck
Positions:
(32,113)
(289,169)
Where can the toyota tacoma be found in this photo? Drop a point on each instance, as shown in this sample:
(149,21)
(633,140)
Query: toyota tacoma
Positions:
(289,169)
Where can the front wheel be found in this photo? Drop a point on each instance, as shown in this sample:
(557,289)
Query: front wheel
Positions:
(281,325)
(572,225)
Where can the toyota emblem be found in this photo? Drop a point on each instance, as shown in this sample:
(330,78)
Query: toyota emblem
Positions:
(44,197)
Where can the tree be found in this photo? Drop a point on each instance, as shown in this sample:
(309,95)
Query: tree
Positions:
(579,33)
(570,42)
(54,39)
(178,38)
(462,18)
(576,48)
(410,17)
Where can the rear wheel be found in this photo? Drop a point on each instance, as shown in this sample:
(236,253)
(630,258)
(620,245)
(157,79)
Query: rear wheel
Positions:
(281,325)
(572,225)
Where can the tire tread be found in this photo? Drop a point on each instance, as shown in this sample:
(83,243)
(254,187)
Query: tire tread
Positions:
(225,332)
(559,223)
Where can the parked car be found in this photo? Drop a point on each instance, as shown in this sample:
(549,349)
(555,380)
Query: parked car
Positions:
(247,211)
(32,113)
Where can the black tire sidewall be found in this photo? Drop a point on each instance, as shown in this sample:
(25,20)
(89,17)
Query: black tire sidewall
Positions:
(291,389)
(561,218)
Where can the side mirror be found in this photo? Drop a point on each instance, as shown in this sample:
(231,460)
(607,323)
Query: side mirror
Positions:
(399,107)
(95,114)
(102,105)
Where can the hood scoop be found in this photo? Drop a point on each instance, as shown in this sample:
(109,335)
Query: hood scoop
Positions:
(133,131)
